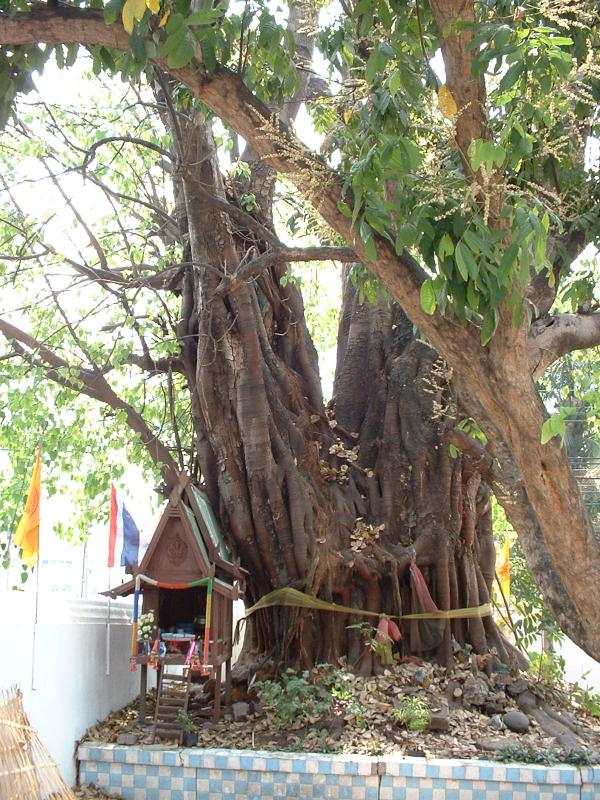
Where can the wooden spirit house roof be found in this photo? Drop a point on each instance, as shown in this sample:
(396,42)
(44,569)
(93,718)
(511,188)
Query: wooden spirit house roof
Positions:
(186,546)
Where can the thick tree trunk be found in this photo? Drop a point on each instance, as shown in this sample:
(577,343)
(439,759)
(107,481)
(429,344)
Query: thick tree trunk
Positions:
(334,501)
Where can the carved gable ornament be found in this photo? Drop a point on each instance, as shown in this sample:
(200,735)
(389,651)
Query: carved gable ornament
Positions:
(177,549)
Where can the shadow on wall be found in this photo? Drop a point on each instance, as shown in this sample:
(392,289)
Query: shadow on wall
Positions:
(72,666)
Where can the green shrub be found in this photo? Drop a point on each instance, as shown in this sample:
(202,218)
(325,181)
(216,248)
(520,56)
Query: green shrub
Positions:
(294,699)
(414,713)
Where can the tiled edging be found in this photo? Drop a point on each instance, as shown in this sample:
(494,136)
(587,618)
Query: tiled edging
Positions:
(154,773)
(445,779)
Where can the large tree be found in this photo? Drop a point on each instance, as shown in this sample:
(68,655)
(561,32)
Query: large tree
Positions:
(466,203)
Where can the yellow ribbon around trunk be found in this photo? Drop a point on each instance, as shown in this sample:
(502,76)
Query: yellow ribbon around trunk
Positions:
(297,599)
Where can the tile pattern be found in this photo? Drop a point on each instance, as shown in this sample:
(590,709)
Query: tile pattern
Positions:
(590,783)
(154,773)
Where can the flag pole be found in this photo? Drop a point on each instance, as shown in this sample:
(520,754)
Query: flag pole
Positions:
(107,665)
(83,583)
(37,585)
(109,562)
(35,622)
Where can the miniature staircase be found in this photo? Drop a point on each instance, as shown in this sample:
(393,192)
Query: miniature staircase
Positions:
(172,696)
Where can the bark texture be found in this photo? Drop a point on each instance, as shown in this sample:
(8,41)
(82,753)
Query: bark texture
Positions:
(334,501)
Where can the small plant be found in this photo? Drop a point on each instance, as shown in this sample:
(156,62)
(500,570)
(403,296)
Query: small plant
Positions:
(186,723)
(527,755)
(339,685)
(240,169)
(579,758)
(379,639)
(531,755)
(414,713)
(294,699)
(549,669)
(249,203)
(587,699)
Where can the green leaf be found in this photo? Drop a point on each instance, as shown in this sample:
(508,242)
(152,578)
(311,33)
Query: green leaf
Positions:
(184,52)
(428,298)
(72,50)
(176,23)
(209,55)
(5,81)
(445,247)
(483,152)
(539,252)
(472,240)
(112,10)
(366,234)
(371,249)
(363,7)
(467,266)
(561,41)
(269,32)
(508,262)
(205,16)
(490,323)
(554,426)
(512,74)
(472,296)
(413,157)
(406,237)
(394,83)
(376,64)
(385,16)
(60,56)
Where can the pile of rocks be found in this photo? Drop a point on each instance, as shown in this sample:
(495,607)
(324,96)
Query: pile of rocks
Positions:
(478,707)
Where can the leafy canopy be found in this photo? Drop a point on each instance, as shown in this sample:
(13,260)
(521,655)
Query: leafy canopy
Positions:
(390,123)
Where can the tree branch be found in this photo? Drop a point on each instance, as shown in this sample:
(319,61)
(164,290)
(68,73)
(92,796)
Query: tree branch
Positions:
(553,337)
(481,459)
(90,234)
(94,385)
(91,151)
(157,366)
(252,269)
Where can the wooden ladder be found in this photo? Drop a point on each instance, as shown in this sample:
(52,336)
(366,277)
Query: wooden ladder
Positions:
(172,696)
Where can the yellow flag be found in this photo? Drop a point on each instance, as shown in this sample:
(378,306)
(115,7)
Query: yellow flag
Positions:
(27,535)
(504,569)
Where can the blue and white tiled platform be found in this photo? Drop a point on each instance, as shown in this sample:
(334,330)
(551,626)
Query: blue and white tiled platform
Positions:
(155,773)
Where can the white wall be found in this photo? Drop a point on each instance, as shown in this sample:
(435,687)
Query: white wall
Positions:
(63,673)
(579,667)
